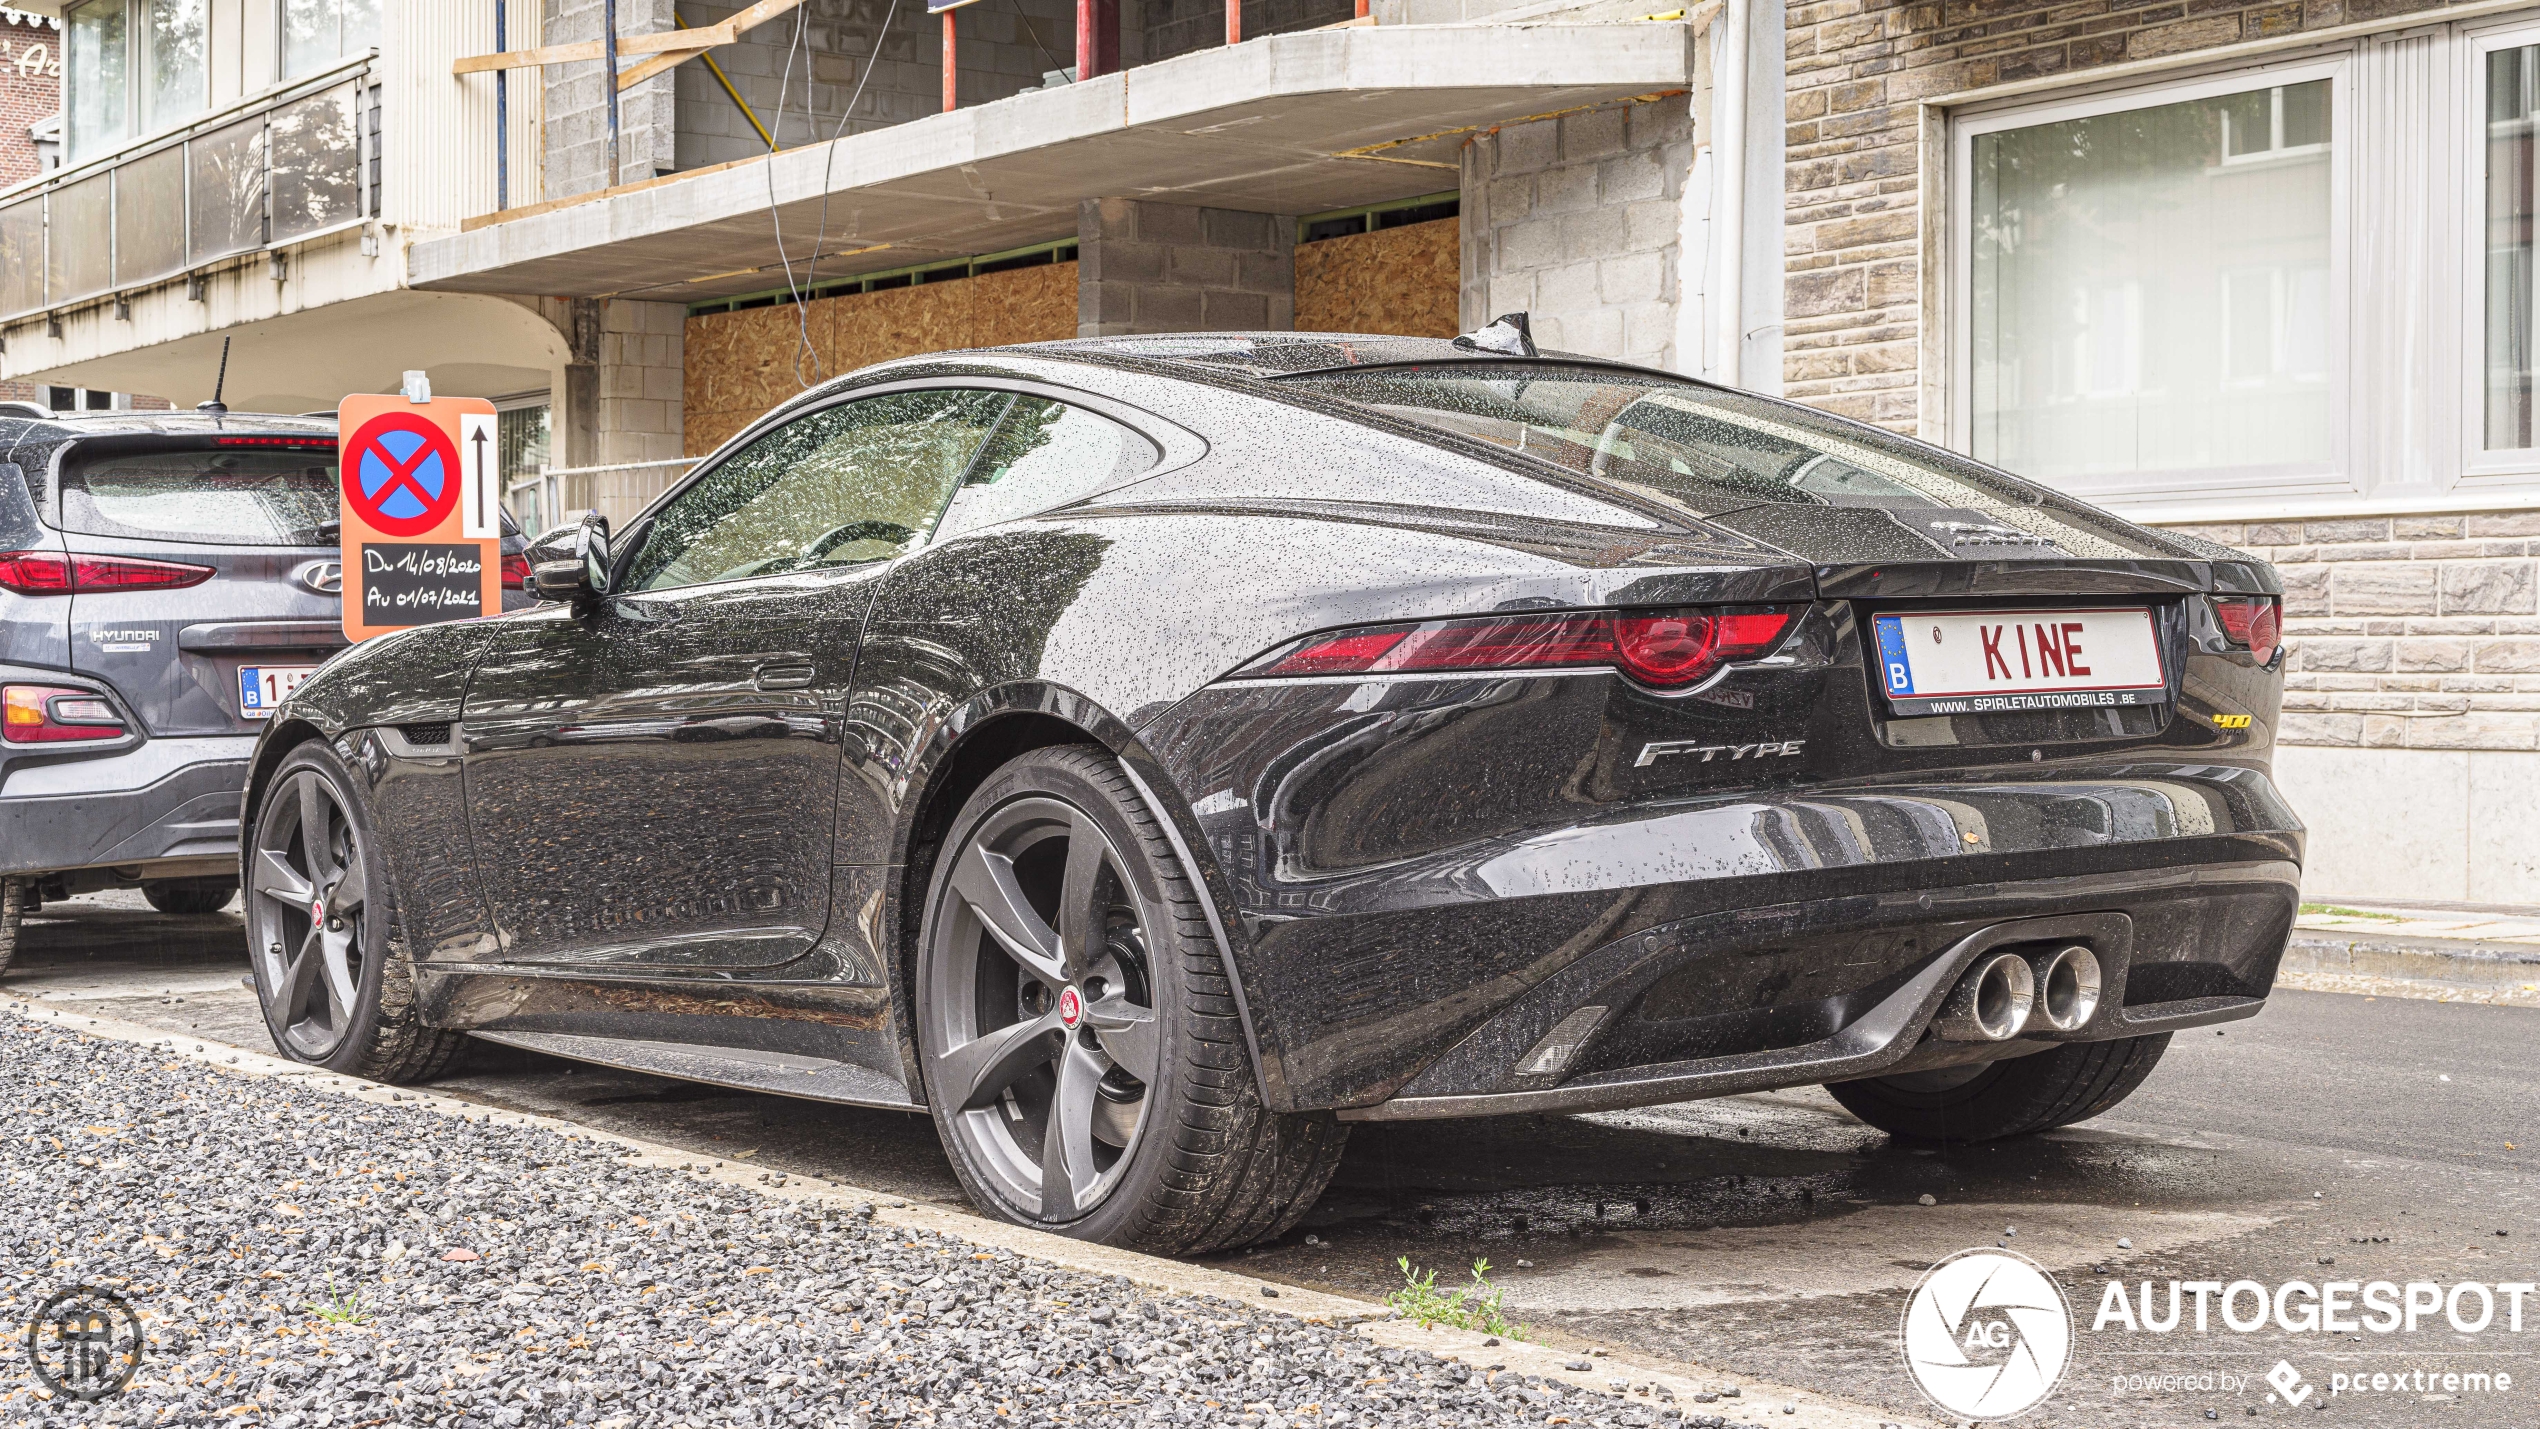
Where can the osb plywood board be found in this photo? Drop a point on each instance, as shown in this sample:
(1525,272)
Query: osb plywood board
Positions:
(740,364)
(1395,280)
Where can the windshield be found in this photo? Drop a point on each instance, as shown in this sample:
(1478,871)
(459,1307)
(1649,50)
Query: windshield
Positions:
(216,498)
(1699,447)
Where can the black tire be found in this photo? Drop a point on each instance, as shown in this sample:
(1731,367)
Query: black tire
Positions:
(188,896)
(17,897)
(1206,1166)
(2014,1097)
(378,1033)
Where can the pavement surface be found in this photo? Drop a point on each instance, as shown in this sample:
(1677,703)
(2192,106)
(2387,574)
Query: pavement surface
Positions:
(2361,1137)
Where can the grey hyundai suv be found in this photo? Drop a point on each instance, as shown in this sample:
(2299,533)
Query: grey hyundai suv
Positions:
(165,580)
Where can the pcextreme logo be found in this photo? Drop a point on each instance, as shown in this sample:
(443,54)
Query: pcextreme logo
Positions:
(1987,1334)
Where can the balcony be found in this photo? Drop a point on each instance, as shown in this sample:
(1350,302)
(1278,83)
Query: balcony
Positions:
(294,163)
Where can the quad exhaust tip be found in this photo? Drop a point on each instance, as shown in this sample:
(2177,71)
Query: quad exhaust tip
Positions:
(2067,982)
(1991,1002)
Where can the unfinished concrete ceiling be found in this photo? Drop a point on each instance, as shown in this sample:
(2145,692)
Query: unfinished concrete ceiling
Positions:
(1291,124)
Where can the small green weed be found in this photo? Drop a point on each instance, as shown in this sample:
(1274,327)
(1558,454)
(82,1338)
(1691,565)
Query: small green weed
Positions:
(1469,1307)
(344,1309)
(2331,910)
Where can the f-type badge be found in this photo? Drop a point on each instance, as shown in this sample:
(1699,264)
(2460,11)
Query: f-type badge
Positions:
(1770,749)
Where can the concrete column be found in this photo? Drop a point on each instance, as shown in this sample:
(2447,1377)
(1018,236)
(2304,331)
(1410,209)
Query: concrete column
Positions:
(1162,267)
(619,394)
(575,132)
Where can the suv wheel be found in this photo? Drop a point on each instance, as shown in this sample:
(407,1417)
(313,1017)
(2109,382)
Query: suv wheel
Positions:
(1076,1032)
(17,895)
(319,907)
(2013,1097)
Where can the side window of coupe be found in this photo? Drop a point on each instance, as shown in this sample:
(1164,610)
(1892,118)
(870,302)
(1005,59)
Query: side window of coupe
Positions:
(858,482)
(1044,454)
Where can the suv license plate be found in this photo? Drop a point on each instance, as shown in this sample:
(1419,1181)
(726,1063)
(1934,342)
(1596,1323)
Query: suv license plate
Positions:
(1981,661)
(263,688)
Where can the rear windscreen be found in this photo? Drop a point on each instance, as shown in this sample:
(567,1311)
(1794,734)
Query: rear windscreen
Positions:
(216,498)
(1704,449)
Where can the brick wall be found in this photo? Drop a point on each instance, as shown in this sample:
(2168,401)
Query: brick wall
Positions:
(641,366)
(2407,632)
(30,89)
(1577,220)
(575,131)
(1167,267)
(1857,70)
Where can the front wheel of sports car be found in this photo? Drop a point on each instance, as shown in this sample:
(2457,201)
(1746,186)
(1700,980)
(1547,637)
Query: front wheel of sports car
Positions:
(318,912)
(1081,1050)
(2013,1097)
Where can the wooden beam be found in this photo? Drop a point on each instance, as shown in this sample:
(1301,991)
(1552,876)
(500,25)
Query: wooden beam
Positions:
(684,44)
(638,73)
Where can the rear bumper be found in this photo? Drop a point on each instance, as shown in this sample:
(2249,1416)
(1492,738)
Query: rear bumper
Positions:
(1850,987)
(162,799)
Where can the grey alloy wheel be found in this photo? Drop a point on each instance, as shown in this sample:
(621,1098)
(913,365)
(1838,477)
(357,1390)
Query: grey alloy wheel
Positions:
(309,925)
(1039,1024)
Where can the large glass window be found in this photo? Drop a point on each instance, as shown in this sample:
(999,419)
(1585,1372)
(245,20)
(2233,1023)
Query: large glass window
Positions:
(2150,292)
(1044,454)
(2513,200)
(317,33)
(177,32)
(95,79)
(861,481)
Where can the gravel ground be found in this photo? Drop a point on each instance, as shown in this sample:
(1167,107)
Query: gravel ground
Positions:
(301,1258)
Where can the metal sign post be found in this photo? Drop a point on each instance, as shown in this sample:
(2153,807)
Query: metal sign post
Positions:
(423,531)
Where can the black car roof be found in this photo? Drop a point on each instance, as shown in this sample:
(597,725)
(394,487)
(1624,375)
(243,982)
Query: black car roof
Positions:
(66,425)
(1286,354)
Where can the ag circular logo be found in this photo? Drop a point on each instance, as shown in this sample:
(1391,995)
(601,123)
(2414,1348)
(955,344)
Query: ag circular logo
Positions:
(1987,1334)
(85,1342)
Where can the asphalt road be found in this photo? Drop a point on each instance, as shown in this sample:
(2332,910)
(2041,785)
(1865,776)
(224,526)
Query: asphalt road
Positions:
(2334,1138)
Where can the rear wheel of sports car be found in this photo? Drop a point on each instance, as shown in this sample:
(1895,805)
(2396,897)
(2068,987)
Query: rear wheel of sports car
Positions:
(319,908)
(1080,1046)
(2014,1097)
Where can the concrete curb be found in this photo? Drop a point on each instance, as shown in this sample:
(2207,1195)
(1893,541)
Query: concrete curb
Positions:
(2445,962)
(1636,1381)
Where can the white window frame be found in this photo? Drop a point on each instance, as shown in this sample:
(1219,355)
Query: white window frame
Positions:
(2334,478)
(2480,466)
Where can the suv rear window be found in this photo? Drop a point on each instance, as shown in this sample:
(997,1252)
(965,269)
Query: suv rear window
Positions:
(213,498)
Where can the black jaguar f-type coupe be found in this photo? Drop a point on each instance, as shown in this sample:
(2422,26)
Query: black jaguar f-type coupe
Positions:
(1152,755)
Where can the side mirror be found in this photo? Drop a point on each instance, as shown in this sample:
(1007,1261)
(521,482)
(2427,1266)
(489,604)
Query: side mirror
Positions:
(571,562)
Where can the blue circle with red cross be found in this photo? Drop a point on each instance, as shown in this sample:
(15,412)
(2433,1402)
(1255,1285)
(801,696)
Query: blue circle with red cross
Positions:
(401,474)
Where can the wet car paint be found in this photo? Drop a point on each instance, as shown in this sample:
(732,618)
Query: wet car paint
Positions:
(1444,848)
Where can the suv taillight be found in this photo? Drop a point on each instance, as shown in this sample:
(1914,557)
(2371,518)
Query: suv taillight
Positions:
(2252,621)
(1667,649)
(53,573)
(51,714)
(515,572)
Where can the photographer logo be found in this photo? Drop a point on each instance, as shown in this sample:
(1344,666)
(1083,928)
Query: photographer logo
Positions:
(84,1342)
(1987,1334)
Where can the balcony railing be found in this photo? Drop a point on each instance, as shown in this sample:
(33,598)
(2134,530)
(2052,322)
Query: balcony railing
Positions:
(291,164)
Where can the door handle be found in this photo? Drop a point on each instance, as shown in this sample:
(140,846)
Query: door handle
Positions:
(782,677)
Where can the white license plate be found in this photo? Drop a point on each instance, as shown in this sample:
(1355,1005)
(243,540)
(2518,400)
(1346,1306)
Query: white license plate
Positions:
(263,688)
(1977,661)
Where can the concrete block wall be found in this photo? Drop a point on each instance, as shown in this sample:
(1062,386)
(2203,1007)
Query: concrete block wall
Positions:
(1176,27)
(575,131)
(798,90)
(642,369)
(1577,220)
(1163,267)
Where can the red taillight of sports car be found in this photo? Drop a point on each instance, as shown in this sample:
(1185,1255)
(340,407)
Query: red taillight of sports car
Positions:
(51,714)
(2253,621)
(53,573)
(1664,649)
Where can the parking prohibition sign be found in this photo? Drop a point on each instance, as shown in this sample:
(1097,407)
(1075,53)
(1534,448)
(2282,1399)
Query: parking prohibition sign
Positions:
(422,536)
(401,474)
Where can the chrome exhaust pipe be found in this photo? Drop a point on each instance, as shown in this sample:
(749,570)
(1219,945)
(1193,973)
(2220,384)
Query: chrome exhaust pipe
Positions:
(2067,987)
(1990,1003)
